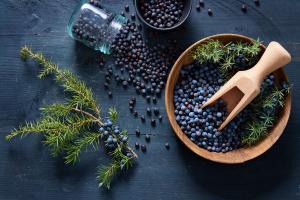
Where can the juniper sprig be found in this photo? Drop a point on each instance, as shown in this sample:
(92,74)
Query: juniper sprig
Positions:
(72,127)
(121,162)
(264,117)
(225,54)
(213,51)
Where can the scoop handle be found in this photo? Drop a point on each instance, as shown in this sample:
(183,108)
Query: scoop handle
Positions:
(274,57)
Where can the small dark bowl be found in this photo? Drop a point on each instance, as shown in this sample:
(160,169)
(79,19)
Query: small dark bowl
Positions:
(186,12)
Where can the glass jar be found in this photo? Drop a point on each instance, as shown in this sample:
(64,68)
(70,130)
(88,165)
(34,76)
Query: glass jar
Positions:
(95,26)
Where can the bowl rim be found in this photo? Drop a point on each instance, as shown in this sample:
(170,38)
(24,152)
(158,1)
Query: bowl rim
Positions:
(245,153)
(163,29)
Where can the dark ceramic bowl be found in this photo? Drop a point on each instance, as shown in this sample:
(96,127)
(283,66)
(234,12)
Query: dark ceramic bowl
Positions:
(186,12)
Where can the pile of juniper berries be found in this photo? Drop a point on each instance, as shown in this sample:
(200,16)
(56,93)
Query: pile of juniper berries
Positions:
(143,66)
(197,83)
(162,13)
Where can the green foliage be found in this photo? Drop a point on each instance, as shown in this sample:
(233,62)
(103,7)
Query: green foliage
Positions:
(57,109)
(82,96)
(213,51)
(265,107)
(73,151)
(69,128)
(113,114)
(121,162)
(105,172)
(256,130)
(224,55)
(250,50)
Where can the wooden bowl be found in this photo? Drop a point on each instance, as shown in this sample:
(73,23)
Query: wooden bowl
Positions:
(239,155)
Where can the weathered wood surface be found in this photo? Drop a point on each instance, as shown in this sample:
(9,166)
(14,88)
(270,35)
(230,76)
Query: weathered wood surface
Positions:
(28,172)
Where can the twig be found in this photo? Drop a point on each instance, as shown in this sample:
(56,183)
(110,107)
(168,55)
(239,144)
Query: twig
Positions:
(88,114)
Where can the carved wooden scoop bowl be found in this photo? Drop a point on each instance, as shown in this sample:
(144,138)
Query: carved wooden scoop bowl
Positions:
(239,155)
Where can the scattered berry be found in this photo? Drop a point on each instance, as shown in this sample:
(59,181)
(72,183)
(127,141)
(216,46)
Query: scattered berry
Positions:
(209,12)
(167,145)
(137,145)
(127,8)
(154,100)
(153,122)
(149,111)
(156,111)
(133,99)
(106,85)
(244,8)
(143,148)
(143,119)
(137,132)
(140,27)
(147,138)
(201,3)
(109,94)
(131,103)
(132,16)
(160,118)
(148,98)
(125,84)
(131,108)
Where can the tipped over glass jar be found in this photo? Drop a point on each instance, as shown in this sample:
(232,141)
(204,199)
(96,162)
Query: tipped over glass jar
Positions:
(95,26)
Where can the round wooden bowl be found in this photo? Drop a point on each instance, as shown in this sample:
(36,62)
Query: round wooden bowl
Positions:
(236,156)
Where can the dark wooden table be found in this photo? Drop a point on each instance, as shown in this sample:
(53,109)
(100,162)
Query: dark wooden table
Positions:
(27,171)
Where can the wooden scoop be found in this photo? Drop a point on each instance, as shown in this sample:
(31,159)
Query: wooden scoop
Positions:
(244,86)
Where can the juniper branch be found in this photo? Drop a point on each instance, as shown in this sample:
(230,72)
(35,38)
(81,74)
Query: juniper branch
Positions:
(107,173)
(258,127)
(68,127)
(73,151)
(70,82)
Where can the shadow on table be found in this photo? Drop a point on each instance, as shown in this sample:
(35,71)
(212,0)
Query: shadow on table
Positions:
(242,181)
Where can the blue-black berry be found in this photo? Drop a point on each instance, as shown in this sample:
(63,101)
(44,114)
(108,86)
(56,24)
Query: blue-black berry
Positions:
(143,119)
(147,138)
(109,94)
(149,111)
(137,132)
(244,8)
(137,145)
(209,12)
(143,148)
(153,122)
(167,145)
